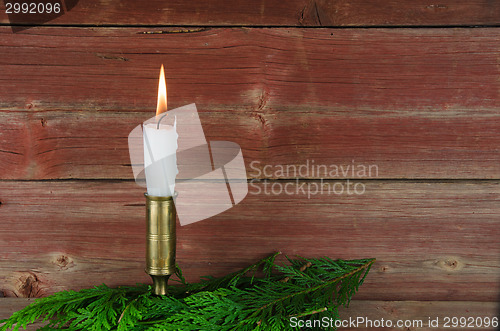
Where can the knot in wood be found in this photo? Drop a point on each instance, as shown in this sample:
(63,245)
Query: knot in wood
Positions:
(450,264)
(29,285)
(64,262)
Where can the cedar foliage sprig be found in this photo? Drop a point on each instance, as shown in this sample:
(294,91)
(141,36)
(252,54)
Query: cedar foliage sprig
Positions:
(305,289)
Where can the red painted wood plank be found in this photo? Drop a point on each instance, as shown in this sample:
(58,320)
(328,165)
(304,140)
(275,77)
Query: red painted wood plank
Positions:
(433,241)
(63,144)
(432,71)
(416,103)
(270,12)
(419,315)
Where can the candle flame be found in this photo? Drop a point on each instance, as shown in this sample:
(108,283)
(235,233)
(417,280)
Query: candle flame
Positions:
(161,106)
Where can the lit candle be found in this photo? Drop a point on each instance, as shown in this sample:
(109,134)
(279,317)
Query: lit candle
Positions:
(160,146)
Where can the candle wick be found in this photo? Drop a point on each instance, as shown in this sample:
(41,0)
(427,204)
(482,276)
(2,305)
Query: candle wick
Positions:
(159,121)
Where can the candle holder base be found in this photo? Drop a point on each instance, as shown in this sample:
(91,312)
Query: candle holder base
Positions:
(160,284)
(160,241)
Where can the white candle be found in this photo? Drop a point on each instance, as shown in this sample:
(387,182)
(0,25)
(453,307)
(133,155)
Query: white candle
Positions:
(160,146)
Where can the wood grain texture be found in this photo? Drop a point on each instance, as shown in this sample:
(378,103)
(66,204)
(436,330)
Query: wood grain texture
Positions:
(64,144)
(270,12)
(417,313)
(433,241)
(422,105)
(414,311)
(417,103)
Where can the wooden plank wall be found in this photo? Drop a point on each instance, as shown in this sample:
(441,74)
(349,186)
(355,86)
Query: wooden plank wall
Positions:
(410,87)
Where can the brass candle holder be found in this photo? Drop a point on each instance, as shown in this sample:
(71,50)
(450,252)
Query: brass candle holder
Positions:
(160,241)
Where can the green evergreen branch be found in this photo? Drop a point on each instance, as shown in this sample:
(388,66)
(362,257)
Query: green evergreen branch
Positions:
(211,283)
(306,288)
(312,312)
(326,284)
(333,281)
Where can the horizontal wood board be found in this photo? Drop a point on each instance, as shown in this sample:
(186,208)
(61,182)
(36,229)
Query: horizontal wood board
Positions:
(416,103)
(414,312)
(267,13)
(433,241)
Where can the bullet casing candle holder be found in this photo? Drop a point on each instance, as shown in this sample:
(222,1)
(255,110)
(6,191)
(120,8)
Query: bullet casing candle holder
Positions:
(160,241)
